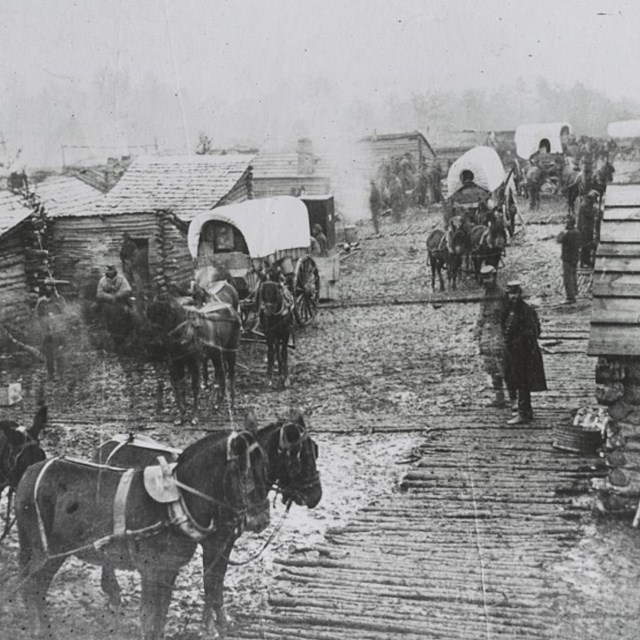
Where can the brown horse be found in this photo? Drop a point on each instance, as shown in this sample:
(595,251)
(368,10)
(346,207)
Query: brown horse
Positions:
(447,250)
(487,247)
(145,520)
(291,468)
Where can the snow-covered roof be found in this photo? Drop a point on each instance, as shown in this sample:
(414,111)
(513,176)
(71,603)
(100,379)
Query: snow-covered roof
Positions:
(485,164)
(528,137)
(267,224)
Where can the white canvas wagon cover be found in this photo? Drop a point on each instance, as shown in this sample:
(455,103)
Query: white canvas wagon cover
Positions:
(485,164)
(528,137)
(268,225)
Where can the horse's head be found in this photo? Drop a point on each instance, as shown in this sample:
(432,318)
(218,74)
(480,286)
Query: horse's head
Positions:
(20,448)
(292,455)
(271,297)
(165,313)
(246,483)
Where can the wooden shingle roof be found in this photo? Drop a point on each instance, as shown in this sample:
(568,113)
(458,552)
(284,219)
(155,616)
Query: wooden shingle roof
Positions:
(67,196)
(181,183)
(12,211)
(615,313)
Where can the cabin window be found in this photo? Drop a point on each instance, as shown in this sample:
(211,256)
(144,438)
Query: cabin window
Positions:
(134,255)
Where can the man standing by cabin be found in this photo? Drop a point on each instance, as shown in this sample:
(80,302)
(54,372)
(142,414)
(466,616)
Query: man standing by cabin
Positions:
(49,313)
(523,366)
(569,238)
(375,204)
(321,239)
(488,332)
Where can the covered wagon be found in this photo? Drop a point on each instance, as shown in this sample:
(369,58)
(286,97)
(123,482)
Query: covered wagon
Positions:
(247,237)
(472,180)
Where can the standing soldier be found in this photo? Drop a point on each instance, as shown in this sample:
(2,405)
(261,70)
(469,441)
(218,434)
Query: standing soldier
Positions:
(569,238)
(49,313)
(523,366)
(375,204)
(489,334)
(586,227)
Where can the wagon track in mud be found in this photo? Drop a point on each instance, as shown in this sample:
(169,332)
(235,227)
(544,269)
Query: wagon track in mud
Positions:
(465,548)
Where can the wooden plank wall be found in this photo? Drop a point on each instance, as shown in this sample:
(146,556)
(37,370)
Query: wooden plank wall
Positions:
(84,246)
(268,187)
(382,149)
(615,314)
(15,301)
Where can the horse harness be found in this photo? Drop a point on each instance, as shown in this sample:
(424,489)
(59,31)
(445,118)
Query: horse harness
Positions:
(162,486)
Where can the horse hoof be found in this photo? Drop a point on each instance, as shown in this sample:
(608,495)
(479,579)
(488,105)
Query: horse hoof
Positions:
(178,423)
(194,421)
(286,383)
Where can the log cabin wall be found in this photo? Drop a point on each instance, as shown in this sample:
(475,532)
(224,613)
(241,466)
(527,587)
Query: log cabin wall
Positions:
(15,300)
(384,147)
(615,312)
(85,245)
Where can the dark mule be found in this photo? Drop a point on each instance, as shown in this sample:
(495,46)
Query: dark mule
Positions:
(438,255)
(486,248)
(291,469)
(19,449)
(192,335)
(275,308)
(107,516)
(602,177)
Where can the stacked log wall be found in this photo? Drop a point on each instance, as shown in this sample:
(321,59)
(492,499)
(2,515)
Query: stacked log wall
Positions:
(84,246)
(269,187)
(15,299)
(383,149)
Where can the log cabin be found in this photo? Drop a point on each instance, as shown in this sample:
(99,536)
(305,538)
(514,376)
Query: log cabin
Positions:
(153,202)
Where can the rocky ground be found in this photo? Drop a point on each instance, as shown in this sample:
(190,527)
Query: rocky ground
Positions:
(373,379)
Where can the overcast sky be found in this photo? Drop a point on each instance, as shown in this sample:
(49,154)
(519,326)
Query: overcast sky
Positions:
(363,48)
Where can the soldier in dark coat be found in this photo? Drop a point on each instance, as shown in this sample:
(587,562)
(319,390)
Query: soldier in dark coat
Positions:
(524,369)
(375,204)
(586,224)
(569,238)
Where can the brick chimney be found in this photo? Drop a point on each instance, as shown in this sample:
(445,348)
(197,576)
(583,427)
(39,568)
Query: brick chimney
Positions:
(305,157)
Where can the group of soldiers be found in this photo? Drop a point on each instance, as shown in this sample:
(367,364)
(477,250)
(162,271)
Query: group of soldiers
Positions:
(507,330)
(400,184)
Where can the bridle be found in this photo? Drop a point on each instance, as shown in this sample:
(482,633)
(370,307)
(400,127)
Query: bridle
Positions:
(290,453)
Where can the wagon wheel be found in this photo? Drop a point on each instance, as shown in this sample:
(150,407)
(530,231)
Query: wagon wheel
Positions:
(306,290)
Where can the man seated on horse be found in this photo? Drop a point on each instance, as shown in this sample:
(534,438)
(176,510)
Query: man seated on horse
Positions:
(113,288)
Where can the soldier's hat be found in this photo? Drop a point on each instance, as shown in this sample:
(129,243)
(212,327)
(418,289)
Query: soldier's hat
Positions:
(488,270)
(514,286)
(111,268)
(593,194)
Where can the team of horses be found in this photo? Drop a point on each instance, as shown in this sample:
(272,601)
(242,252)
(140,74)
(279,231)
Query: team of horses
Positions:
(469,241)
(182,330)
(143,506)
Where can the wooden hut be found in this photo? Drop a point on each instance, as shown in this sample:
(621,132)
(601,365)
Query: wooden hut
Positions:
(615,317)
(450,145)
(153,202)
(382,147)
(15,233)
(284,170)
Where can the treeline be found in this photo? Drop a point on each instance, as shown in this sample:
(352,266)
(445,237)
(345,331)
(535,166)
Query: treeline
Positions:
(124,111)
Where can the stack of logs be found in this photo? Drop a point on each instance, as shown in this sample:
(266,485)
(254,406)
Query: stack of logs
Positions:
(37,238)
(167,267)
(618,388)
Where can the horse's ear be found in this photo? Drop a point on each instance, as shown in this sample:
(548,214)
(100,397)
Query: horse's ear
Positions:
(39,422)
(251,422)
(10,431)
(295,416)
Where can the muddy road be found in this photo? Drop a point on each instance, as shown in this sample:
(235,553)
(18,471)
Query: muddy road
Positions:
(437,521)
